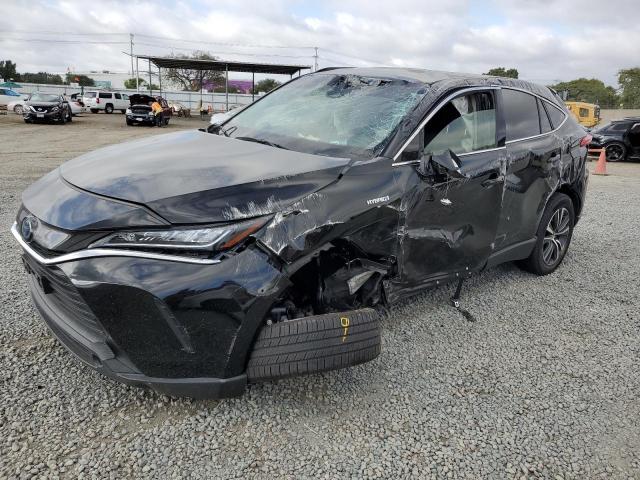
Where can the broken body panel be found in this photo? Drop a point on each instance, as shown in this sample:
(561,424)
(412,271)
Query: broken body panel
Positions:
(341,232)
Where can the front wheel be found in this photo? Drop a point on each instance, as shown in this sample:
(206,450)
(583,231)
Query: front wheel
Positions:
(615,152)
(18,110)
(108,108)
(553,236)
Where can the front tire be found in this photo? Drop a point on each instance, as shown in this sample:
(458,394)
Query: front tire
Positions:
(615,152)
(108,108)
(18,110)
(553,236)
(314,344)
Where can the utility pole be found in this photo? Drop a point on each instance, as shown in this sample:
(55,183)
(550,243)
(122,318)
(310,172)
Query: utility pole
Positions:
(315,60)
(131,50)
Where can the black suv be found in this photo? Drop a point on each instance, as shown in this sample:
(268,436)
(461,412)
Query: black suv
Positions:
(196,261)
(620,139)
(46,107)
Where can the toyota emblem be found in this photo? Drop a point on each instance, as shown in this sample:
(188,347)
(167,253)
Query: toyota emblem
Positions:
(27,227)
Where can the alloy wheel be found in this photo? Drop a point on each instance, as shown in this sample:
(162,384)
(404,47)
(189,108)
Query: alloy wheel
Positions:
(556,237)
(18,109)
(614,153)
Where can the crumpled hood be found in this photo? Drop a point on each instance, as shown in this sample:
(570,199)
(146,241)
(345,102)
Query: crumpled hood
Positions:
(198,177)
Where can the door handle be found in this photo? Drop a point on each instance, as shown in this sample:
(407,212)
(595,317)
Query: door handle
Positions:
(494,179)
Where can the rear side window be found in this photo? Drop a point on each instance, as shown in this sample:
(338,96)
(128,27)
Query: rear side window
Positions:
(583,112)
(545,124)
(465,124)
(521,114)
(556,116)
(105,95)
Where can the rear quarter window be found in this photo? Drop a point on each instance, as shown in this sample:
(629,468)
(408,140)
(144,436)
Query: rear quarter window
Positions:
(105,95)
(521,114)
(556,116)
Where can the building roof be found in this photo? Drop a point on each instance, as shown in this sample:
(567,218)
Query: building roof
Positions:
(222,65)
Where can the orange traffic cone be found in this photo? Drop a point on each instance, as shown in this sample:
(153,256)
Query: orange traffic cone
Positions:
(601,166)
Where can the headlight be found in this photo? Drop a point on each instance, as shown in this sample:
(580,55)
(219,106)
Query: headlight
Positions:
(209,238)
(128,111)
(55,109)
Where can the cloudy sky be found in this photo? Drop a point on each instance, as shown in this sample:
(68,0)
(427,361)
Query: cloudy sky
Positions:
(546,40)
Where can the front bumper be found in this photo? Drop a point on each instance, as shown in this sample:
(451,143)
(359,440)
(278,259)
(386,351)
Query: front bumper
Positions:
(42,116)
(182,329)
(146,119)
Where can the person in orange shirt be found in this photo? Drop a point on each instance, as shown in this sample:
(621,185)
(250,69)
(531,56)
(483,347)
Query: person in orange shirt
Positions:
(156,108)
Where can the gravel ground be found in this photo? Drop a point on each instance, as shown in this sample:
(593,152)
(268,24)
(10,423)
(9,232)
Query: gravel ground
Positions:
(543,384)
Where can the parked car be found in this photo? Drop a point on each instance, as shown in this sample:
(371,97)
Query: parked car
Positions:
(17,106)
(180,110)
(106,101)
(139,112)
(620,139)
(587,114)
(197,261)
(7,96)
(46,107)
(75,104)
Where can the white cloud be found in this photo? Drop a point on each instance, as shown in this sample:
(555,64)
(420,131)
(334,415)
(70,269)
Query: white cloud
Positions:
(545,40)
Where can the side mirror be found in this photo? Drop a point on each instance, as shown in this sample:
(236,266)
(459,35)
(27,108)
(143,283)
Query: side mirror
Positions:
(447,161)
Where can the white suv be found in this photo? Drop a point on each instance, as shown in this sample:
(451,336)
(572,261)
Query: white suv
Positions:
(107,101)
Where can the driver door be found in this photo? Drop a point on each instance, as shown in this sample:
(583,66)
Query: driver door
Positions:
(449,223)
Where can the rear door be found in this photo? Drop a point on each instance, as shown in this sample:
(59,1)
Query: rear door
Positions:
(532,152)
(450,224)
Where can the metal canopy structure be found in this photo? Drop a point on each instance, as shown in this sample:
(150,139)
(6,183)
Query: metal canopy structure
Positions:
(218,66)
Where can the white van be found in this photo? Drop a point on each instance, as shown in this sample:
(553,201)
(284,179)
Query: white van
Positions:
(107,101)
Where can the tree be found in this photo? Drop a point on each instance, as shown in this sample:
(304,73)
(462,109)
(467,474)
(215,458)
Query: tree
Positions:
(131,83)
(8,70)
(629,81)
(266,85)
(502,72)
(81,80)
(191,79)
(590,90)
(40,77)
(142,83)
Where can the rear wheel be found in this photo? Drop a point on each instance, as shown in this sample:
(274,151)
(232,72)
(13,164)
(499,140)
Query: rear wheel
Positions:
(94,110)
(615,152)
(18,110)
(553,236)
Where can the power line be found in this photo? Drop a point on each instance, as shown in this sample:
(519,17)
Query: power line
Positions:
(76,42)
(226,44)
(51,32)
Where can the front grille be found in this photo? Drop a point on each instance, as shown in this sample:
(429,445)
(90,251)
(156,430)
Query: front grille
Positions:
(140,111)
(42,109)
(62,295)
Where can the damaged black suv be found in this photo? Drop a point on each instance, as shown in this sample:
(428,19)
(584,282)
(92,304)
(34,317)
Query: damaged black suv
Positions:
(198,261)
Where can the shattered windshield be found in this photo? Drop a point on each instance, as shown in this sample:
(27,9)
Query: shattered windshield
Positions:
(328,114)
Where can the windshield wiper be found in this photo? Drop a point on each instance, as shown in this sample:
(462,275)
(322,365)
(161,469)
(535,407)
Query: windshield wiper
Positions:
(262,141)
(227,131)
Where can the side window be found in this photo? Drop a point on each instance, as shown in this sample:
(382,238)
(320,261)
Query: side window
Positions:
(583,112)
(117,96)
(521,114)
(125,96)
(556,116)
(545,124)
(465,124)
(105,95)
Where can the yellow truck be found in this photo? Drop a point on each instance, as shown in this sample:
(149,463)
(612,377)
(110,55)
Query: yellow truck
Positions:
(587,114)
